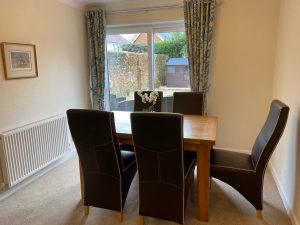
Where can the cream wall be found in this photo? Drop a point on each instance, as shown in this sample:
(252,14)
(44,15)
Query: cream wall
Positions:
(242,69)
(58,31)
(242,61)
(286,159)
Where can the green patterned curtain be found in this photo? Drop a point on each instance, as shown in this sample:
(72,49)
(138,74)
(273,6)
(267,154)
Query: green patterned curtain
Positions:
(199,17)
(96,44)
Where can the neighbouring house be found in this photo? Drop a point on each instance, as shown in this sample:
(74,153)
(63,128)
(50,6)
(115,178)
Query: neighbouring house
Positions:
(141,38)
(178,72)
(115,42)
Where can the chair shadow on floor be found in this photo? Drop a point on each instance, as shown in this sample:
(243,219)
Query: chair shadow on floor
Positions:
(77,217)
(223,208)
(223,200)
(98,215)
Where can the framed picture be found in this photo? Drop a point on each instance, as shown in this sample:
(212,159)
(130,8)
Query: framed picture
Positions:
(19,60)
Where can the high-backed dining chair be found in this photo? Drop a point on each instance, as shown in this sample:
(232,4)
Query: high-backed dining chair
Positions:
(245,172)
(190,103)
(139,105)
(165,174)
(107,171)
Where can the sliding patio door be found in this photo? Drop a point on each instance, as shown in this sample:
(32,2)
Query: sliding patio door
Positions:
(146,60)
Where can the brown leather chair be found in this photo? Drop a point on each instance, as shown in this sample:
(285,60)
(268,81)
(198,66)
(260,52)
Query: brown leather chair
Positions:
(107,171)
(139,105)
(245,172)
(165,174)
(189,103)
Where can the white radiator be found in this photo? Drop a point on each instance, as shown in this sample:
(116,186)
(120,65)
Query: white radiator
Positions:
(26,150)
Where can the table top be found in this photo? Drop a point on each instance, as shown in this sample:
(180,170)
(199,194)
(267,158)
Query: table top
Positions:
(196,129)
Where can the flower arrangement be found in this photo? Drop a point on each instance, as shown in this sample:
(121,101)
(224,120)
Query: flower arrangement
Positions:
(149,100)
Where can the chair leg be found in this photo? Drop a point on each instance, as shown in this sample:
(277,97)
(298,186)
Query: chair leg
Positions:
(81,182)
(195,180)
(259,214)
(120,217)
(192,189)
(86,210)
(142,220)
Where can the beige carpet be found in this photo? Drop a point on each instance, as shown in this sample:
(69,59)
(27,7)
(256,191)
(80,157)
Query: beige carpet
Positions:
(55,199)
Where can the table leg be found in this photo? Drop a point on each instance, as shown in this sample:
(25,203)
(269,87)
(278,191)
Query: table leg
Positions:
(203,171)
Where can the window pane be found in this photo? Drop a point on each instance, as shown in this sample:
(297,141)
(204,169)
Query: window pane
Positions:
(127,61)
(171,62)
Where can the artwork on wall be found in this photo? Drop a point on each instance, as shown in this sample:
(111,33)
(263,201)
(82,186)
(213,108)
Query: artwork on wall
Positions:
(19,60)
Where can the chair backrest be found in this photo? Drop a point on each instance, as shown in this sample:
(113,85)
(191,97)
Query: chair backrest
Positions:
(158,143)
(96,142)
(269,135)
(190,103)
(139,105)
(99,154)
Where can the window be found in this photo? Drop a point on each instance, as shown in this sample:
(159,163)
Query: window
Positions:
(145,59)
(127,68)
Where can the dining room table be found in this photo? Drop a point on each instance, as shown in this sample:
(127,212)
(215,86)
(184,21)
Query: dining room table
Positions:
(199,134)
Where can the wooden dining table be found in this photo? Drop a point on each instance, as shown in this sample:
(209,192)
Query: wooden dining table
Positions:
(199,135)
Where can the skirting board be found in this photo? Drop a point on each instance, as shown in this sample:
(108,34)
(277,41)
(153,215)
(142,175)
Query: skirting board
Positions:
(287,206)
(282,194)
(234,150)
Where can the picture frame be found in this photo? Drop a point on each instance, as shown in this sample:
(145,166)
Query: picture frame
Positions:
(19,60)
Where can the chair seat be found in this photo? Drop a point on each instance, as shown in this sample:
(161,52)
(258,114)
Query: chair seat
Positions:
(128,158)
(231,160)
